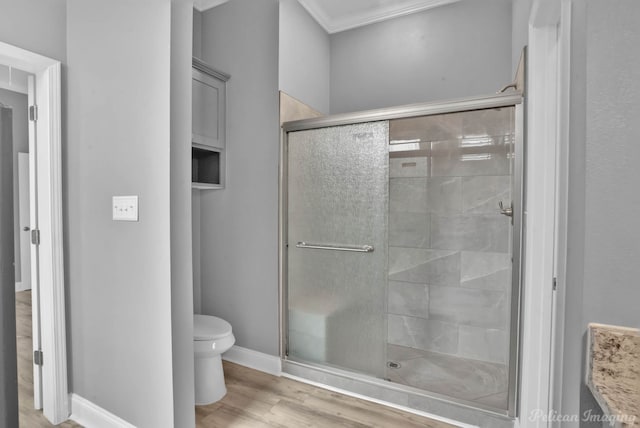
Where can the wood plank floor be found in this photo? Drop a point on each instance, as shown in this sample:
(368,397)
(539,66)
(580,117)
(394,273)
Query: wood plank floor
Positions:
(256,399)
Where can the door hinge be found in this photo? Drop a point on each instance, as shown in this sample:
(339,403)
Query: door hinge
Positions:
(33,113)
(555,284)
(37,358)
(35,236)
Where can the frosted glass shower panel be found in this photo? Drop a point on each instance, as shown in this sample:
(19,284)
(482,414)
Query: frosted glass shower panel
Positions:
(450,254)
(338,201)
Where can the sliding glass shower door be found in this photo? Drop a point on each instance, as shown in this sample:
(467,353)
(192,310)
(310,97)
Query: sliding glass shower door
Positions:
(337,250)
(450,249)
(402,248)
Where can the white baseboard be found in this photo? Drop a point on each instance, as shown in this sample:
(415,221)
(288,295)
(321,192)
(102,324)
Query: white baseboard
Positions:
(254,359)
(91,415)
(21,286)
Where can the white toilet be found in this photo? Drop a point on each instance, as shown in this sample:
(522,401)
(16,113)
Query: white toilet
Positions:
(212,336)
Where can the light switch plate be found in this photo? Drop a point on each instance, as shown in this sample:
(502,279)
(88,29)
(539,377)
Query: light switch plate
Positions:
(125,208)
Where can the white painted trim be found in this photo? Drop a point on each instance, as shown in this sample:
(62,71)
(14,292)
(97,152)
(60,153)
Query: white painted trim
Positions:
(20,286)
(33,250)
(562,199)
(540,215)
(254,359)
(55,394)
(14,88)
(545,13)
(52,296)
(202,5)
(377,401)
(332,25)
(90,415)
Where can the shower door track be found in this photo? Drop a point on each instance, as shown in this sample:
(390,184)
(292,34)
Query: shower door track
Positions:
(512,99)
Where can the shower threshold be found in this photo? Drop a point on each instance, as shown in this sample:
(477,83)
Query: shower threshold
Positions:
(406,397)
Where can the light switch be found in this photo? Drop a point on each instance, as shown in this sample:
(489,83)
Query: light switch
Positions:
(125,208)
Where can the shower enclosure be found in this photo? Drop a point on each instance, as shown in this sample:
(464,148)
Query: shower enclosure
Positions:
(400,249)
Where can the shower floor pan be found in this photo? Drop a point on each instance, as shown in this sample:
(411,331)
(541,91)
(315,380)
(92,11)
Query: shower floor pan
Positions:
(472,380)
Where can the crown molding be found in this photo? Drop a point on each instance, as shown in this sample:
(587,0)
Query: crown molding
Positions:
(202,5)
(331,25)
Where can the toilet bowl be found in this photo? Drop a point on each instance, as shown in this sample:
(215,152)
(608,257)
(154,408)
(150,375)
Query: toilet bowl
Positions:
(212,336)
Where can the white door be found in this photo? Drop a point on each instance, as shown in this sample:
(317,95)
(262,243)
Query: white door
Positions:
(24,230)
(35,280)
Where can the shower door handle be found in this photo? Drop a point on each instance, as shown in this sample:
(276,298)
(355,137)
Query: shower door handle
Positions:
(353,248)
(508,211)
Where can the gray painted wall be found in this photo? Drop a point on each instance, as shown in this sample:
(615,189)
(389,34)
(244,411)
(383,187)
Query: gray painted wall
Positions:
(180,167)
(20,18)
(239,238)
(18,102)
(8,370)
(521,10)
(196,212)
(604,243)
(119,273)
(612,238)
(458,50)
(197,33)
(304,57)
(195,196)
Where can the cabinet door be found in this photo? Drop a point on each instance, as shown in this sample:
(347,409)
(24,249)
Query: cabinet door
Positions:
(208,115)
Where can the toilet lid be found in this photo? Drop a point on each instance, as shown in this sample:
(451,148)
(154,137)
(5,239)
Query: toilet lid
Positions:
(206,327)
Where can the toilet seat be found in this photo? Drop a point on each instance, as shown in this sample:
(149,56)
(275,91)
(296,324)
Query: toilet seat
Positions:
(206,327)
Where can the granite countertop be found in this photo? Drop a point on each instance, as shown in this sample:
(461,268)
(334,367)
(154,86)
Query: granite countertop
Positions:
(613,372)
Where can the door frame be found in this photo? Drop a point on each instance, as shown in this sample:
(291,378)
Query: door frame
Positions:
(47,157)
(549,30)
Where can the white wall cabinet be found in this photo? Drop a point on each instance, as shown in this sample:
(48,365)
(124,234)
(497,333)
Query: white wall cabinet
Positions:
(208,126)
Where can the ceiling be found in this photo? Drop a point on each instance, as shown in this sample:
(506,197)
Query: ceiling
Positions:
(202,5)
(340,15)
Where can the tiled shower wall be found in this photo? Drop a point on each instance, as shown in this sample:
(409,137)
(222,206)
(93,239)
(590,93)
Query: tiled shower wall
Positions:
(449,246)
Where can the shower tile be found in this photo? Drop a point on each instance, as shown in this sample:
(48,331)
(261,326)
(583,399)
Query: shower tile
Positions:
(402,353)
(408,195)
(488,271)
(307,346)
(408,167)
(426,128)
(310,318)
(481,194)
(490,122)
(483,344)
(481,155)
(424,266)
(409,229)
(470,232)
(422,334)
(454,376)
(444,195)
(393,376)
(482,308)
(406,298)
